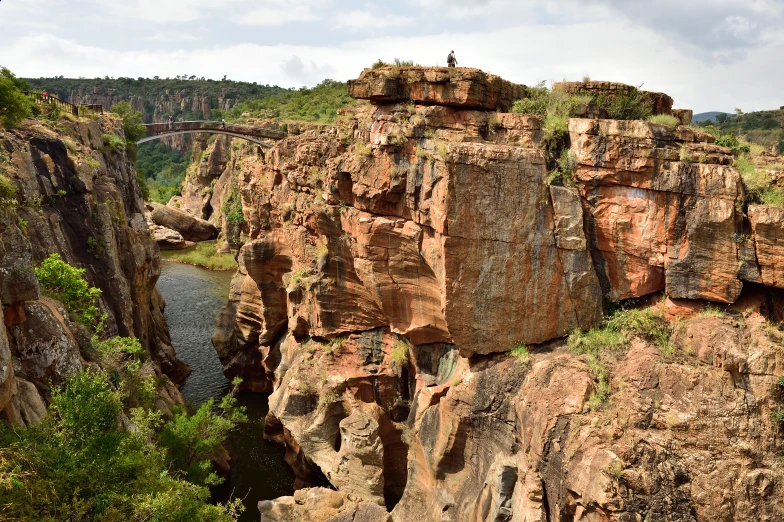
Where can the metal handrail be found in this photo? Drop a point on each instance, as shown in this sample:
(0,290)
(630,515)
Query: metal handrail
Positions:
(63,105)
(51,100)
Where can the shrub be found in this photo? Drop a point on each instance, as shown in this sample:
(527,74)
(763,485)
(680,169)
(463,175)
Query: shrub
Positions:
(665,119)
(612,335)
(65,283)
(79,464)
(400,354)
(632,105)
(133,126)
(520,352)
(564,172)
(7,192)
(773,197)
(333,345)
(379,64)
(14,105)
(113,142)
(193,441)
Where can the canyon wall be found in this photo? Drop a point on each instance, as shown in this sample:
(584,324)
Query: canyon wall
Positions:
(390,263)
(79,198)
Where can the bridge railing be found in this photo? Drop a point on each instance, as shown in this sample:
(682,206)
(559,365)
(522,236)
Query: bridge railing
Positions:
(41,99)
(203,125)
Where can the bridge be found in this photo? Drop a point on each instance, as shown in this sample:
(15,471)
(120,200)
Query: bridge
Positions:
(156,131)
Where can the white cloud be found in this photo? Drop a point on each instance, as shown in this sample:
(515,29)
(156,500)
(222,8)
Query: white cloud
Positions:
(707,58)
(365,20)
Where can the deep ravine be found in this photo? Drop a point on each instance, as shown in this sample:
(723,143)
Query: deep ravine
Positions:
(193,298)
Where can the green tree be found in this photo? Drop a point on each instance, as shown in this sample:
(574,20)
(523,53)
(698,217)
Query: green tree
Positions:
(193,441)
(14,105)
(80,464)
(66,283)
(133,125)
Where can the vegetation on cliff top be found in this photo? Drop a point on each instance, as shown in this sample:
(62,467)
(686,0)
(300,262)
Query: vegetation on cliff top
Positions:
(318,104)
(14,106)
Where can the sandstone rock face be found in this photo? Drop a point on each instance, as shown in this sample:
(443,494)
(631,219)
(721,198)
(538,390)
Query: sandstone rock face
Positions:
(189,227)
(658,217)
(83,203)
(767,224)
(457,87)
(390,262)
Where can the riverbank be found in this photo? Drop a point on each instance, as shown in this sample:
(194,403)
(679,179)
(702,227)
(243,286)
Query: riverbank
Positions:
(204,255)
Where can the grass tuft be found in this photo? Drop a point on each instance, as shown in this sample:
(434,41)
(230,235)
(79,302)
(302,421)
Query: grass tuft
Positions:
(667,120)
(202,254)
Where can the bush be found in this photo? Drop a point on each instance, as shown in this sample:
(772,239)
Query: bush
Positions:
(632,105)
(520,352)
(14,105)
(79,464)
(665,119)
(400,354)
(193,441)
(133,126)
(65,283)
(7,192)
(113,142)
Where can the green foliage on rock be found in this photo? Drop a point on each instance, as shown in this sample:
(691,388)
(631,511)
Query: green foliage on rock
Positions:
(7,192)
(14,105)
(615,333)
(113,142)
(66,283)
(81,464)
(193,441)
(133,126)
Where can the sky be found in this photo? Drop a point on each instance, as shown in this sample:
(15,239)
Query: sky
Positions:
(707,54)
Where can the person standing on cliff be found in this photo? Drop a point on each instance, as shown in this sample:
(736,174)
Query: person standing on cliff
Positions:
(223,123)
(451,61)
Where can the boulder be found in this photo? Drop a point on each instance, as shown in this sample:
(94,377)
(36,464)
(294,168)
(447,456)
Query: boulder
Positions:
(190,227)
(169,239)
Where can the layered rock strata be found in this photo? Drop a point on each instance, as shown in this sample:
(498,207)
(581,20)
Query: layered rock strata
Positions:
(81,201)
(388,265)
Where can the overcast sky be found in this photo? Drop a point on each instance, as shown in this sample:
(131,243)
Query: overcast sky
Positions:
(707,54)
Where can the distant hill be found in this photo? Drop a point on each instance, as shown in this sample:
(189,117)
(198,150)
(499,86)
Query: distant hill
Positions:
(764,128)
(157,98)
(705,116)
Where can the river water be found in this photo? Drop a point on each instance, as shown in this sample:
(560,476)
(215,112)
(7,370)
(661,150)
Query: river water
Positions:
(194,297)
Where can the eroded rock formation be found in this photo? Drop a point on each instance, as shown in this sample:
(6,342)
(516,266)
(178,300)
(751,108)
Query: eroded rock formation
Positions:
(77,199)
(389,263)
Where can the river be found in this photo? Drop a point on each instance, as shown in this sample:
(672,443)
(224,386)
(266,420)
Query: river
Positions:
(193,298)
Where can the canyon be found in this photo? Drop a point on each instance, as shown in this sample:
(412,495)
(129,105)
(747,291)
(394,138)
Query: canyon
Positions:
(410,292)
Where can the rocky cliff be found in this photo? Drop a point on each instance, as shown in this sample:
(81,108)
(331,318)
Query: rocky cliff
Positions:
(394,266)
(77,197)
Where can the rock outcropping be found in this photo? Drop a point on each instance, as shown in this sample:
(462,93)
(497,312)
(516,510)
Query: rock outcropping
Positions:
(77,199)
(389,263)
